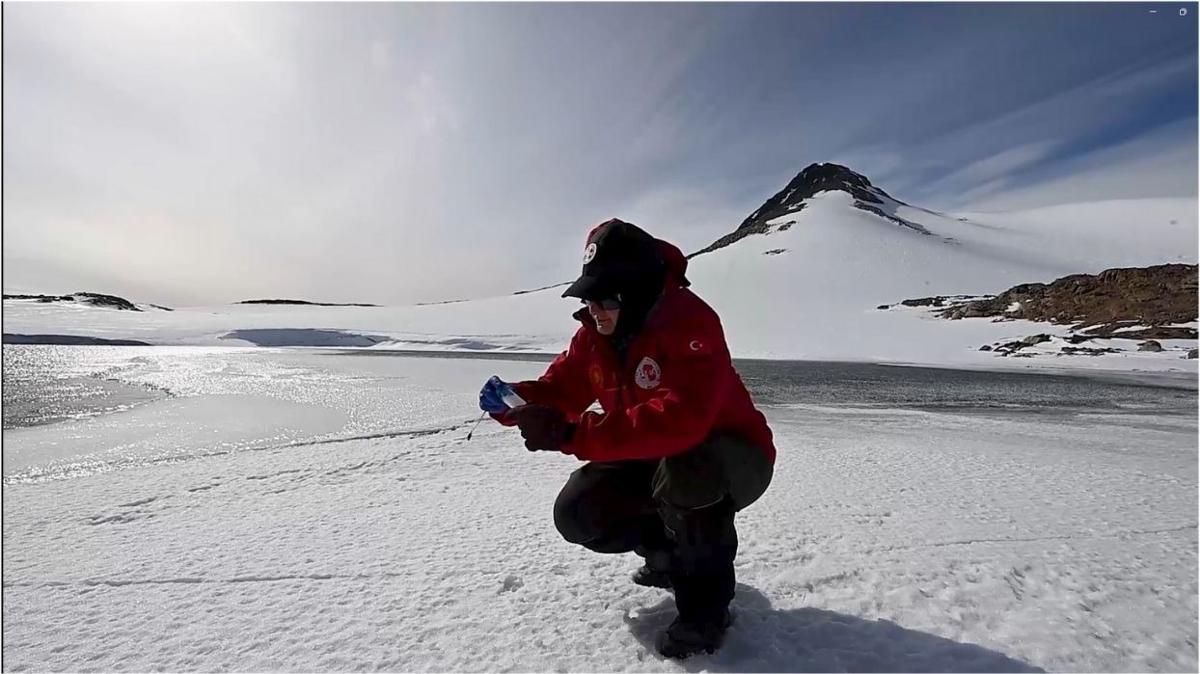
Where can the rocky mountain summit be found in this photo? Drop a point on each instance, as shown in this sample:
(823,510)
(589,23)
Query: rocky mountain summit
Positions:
(814,179)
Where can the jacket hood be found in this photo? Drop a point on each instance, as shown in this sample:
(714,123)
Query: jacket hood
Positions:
(675,261)
(624,262)
(674,276)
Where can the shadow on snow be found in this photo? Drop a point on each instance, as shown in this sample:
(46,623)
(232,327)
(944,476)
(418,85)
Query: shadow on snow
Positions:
(815,640)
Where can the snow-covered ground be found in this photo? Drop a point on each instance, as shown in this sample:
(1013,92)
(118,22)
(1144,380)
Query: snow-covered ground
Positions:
(809,289)
(303,511)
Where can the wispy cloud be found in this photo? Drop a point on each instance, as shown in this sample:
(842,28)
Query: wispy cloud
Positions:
(386,152)
(1159,163)
(1026,143)
(988,174)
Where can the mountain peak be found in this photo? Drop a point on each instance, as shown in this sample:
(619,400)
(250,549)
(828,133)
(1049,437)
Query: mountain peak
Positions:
(812,180)
(825,177)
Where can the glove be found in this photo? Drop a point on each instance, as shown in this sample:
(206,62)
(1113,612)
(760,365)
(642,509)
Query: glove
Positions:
(490,396)
(543,427)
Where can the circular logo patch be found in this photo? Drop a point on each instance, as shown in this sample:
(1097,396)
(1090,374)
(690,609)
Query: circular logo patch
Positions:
(647,375)
(596,376)
(589,252)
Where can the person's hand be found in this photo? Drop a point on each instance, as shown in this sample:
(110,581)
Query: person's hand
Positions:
(543,427)
(489,396)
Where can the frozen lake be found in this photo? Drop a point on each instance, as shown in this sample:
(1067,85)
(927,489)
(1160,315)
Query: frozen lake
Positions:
(191,508)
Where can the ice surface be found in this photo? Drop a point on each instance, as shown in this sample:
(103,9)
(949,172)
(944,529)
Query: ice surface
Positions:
(304,337)
(892,539)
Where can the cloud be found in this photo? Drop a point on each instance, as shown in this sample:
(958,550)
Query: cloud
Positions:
(381,57)
(881,163)
(1159,163)
(990,173)
(1004,162)
(1038,139)
(389,152)
(689,218)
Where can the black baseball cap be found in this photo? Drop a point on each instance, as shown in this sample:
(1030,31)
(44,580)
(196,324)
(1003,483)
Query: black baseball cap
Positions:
(616,256)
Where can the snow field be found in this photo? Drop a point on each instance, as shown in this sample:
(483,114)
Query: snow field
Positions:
(890,539)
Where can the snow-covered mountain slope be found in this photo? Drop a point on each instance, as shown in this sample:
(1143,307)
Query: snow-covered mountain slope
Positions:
(810,285)
(801,278)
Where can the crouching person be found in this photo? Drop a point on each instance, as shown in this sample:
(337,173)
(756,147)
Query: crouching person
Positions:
(679,447)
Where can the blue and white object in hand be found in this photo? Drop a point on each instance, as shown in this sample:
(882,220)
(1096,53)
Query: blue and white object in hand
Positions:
(497,396)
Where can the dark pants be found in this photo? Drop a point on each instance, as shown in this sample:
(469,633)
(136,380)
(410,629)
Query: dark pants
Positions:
(676,512)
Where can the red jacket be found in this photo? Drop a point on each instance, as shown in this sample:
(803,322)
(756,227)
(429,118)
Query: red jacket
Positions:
(676,387)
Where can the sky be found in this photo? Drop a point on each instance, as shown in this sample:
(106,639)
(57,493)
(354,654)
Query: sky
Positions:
(194,154)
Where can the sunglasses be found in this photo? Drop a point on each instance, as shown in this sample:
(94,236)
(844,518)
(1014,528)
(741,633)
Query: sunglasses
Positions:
(607,305)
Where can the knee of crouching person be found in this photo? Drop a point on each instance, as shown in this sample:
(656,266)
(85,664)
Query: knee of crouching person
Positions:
(689,500)
(678,486)
(568,522)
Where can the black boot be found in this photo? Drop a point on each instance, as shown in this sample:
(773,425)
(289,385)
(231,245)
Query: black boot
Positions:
(657,549)
(651,577)
(687,638)
(702,576)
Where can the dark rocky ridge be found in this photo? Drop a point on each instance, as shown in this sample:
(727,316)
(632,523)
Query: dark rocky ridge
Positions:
(534,290)
(1155,296)
(95,299)
(1138,303)
(814,179)
(69,340)
(439,302)
(306,303)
